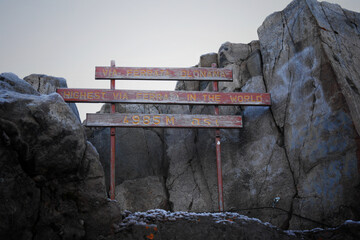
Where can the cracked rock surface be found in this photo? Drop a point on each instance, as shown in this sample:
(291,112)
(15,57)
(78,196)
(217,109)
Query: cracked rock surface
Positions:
(308,52)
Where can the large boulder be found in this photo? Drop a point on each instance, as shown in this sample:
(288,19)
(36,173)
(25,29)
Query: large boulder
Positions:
(52,183)
(310,55)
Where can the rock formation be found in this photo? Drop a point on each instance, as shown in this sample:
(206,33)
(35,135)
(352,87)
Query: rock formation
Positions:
(303,151)
(294,164)
(309,54)
(51,181)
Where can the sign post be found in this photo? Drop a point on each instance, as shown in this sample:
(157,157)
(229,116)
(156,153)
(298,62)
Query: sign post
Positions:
(214,98)
(112,144)
(218,153)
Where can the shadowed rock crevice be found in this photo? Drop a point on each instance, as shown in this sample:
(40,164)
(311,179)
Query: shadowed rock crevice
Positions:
(202,170)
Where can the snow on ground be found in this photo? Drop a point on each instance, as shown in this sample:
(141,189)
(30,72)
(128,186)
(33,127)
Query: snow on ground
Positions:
(152,216)
(315,230)
(162,215)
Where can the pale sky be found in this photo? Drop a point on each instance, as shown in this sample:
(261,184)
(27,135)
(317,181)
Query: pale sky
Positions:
(68,38)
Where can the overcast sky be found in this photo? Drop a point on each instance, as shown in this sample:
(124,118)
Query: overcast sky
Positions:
(68,38)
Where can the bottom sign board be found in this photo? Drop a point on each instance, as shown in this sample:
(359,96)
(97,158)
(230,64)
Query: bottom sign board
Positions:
(163,120)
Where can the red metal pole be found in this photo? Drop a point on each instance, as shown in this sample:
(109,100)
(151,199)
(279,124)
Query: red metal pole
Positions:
(218,153)
(112,144)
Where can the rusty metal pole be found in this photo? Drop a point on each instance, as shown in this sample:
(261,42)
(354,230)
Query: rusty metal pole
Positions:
(218,152)
(112,144)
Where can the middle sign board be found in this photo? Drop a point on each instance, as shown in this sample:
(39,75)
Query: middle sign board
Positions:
(164,97)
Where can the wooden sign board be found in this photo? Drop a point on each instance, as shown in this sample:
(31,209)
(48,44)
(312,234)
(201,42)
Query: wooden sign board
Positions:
(163,120)
(168,74)
(164,97)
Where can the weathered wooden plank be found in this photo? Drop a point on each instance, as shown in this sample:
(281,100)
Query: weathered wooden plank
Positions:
(164,97)
(162,120)
(169,74)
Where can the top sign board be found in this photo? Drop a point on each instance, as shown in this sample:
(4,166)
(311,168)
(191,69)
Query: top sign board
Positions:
(168,74)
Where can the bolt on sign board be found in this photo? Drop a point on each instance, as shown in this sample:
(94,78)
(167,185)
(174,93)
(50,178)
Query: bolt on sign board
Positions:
(215,98)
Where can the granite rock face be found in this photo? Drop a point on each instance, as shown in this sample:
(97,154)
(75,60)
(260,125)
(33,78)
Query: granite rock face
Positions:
(52,183)
(255,169)
(310,53)
(294,164)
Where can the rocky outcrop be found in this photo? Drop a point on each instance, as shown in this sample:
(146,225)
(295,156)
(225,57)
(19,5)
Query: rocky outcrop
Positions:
(309,54)
(52,183)
(294,164)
